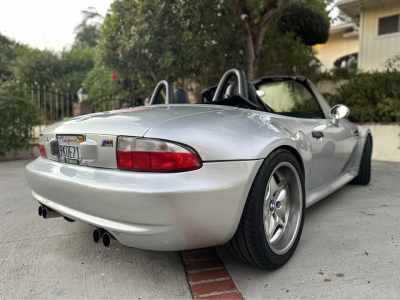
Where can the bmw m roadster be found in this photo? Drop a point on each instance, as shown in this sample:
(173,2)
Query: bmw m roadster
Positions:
(237,170)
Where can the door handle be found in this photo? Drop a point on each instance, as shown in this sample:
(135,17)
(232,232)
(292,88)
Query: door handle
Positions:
(355,132)
(317,134)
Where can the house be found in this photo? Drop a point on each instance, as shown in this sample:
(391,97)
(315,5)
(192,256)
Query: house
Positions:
(376,30)
(341,47)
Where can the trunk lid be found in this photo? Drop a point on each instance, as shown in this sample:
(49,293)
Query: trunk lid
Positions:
(101,130)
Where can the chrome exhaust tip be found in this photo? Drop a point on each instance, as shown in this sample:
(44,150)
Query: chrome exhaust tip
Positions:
(48,213)
(98,234)
(107,237)
(40,211)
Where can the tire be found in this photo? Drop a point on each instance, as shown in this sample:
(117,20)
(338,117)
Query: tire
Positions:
(253,243)
(364,174)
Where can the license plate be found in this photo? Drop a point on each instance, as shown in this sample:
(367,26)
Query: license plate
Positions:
(69,148)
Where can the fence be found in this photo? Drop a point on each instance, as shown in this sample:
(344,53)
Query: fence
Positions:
(53,105)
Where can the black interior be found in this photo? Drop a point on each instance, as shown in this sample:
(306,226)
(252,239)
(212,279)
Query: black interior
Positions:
(180,96)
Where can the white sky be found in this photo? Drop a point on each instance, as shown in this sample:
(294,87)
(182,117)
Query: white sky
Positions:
(45,23)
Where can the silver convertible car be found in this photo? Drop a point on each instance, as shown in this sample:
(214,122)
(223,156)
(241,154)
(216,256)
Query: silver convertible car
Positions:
(237,170)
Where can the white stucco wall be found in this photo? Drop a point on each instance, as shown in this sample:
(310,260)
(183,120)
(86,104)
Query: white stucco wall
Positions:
(386,141)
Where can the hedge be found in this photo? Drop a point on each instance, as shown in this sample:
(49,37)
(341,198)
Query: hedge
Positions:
(17,116)
(371,97)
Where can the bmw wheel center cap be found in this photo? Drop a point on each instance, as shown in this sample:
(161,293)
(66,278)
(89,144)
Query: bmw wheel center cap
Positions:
(272,205)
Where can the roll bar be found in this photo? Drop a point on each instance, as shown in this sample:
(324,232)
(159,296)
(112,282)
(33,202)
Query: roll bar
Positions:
(224,82)
(169,90)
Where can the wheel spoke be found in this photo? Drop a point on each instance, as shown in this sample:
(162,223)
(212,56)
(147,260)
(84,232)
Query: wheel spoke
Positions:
(273,187)
(275,227)
(281,204)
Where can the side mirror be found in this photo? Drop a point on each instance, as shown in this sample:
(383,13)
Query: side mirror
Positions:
(339,112)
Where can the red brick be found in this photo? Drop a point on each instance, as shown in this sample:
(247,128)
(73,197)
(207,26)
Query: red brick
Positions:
(189,256)
(231,296)
(207,275)
(213,287)
(205,264)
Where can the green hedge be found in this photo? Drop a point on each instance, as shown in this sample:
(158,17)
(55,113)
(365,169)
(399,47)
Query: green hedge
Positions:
(17,116)
(371,97)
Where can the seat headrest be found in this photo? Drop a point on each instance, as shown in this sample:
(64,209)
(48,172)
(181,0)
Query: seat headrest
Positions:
(180,96)
(233,90)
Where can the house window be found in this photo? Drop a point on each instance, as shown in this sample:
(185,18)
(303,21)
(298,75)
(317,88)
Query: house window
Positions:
(388,25)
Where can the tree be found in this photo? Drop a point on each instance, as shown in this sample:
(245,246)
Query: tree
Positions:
(256,16)
(6,55)
(170,39)
(286,54)
(88,31)
(305,22)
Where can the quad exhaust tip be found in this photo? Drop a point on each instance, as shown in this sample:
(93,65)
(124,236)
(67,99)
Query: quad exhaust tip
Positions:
(40,211)
(98,234)
(47,213)
(107,237)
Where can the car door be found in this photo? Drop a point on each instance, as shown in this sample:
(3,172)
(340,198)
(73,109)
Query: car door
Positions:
(330,145)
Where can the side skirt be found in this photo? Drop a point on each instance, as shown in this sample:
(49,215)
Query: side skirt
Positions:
(320,192)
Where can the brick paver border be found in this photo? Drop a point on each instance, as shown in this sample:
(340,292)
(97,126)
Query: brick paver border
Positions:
(207,276)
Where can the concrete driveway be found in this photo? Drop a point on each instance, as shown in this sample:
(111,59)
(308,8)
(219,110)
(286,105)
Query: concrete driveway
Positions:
(349,249)
(56,259)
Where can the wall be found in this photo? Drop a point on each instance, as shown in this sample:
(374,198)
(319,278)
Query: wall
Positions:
(330,86)
(374,51)
(336,47)
(386,141)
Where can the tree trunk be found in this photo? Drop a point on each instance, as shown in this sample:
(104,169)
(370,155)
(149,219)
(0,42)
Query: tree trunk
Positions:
(194,89)
(254,32)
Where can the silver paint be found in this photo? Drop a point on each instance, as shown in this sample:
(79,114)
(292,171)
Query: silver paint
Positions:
(176,211)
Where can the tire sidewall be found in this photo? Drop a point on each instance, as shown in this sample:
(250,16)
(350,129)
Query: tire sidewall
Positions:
(275,259)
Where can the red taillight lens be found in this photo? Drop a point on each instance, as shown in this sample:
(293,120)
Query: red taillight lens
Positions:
(155,155)
(42,149)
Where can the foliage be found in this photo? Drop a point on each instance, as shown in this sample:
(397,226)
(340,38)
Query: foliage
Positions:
(16,117)
(98,83)
(305,22)
(87,33)
(338,73)
(286,55)
(371,97)
(170,40)
(6,55)
(393,64)
(65,71)
(75,64)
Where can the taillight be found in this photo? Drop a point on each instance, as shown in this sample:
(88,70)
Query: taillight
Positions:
(155,155)
(42,141)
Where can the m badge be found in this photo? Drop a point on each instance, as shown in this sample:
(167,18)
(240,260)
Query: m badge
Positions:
(107,143)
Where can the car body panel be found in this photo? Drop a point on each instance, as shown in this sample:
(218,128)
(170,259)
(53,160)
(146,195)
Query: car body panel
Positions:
(156,211)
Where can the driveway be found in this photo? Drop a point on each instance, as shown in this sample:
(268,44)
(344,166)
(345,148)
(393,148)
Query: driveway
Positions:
(349,249)
(56,259)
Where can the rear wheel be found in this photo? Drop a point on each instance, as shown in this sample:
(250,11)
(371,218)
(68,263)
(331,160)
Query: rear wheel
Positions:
(272,220)
(364,174)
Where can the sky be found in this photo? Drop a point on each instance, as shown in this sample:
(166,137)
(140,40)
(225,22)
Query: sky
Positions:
(45,24)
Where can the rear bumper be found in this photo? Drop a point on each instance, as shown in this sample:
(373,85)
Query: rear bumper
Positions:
(155,211)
